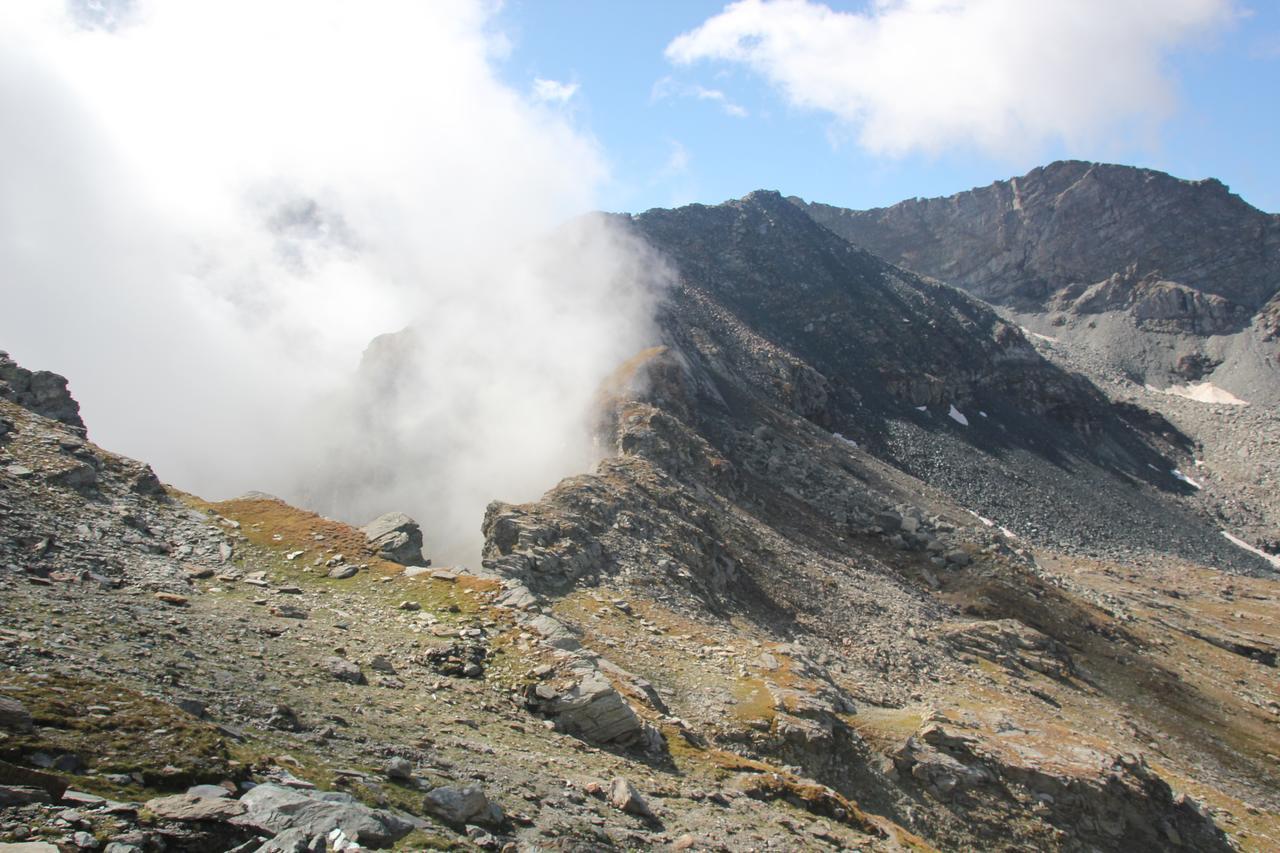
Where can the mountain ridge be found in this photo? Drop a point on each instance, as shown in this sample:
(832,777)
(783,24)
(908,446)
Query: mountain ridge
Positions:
(864,566)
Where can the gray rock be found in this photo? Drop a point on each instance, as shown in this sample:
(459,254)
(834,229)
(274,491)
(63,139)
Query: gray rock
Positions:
(80,475)
(39,391)
(461,805)
(396,537)
(192,807)
(554,633)
(84,840)
(342,572)
(277,809)
(624,797)
(399,768)
(957,557)
(344,670)
(593,710)
(22,795)
(14,716)
(889,519)
(210,791)
(518,598)
(294,841)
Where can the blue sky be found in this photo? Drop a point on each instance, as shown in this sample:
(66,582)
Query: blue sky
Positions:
(665,145)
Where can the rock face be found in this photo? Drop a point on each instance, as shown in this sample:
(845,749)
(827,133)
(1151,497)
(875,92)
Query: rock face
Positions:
(1074,223)
(396,537)
(1164,279)
(40,391)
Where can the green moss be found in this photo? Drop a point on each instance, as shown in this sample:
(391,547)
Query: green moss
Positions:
(168,748)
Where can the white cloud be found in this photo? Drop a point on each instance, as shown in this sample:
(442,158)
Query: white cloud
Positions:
(553,91)
(668,87)
(1000,75)
(720,98)
(207,210)
(677,162)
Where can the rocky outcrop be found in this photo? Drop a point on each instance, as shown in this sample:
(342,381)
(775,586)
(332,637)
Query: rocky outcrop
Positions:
(278,809)
(589,707)
(1124,805)
(1155,278)
(40,391)
(1023,240)
(396,537)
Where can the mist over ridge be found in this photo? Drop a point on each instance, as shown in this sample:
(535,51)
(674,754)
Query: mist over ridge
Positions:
(225,204)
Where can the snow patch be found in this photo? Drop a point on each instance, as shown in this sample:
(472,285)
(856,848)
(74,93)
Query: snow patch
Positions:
(1270,558)
(1204,392)
(988,522)
(980,412)
(848,441)
(958,416)
(924,409)
(1009,534)
(1184,478)
(1027,331)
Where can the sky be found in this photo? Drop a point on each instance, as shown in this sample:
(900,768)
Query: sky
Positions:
(338,251)
(1184,86)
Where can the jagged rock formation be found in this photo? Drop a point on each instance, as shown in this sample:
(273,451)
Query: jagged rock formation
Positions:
(40,391)
(396,537)
(1093,253)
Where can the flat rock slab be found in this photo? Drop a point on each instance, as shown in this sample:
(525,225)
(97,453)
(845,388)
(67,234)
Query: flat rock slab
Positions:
(193,807)
(277,809)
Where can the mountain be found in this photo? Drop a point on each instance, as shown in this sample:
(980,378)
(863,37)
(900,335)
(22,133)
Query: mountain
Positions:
(862,568)
(1167,281)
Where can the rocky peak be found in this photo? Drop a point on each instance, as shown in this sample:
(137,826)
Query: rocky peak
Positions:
(1136,270)
(39,391)
(1071,222)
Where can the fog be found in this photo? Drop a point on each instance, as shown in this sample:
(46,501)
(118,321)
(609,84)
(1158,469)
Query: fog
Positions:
(208,211)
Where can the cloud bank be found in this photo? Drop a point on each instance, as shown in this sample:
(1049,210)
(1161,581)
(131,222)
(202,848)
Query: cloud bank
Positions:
(208,211)
(1002,76)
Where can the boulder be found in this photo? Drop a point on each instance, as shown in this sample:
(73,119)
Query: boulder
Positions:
(194,807)
(459,805)
(623,796)
(396,537)
(344,670)
(277,809)
(400,769)
(591,709)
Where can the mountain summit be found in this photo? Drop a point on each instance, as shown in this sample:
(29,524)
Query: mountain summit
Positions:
(1167,279)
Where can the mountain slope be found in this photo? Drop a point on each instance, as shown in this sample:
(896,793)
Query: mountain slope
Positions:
(884,358)
(1094,253)
(732,505)
(773,617)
